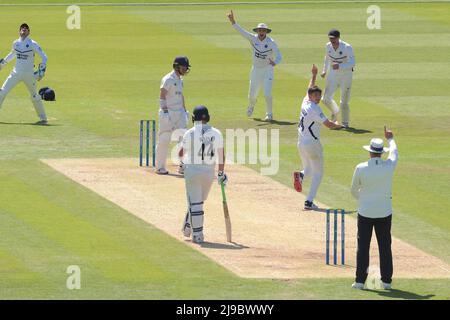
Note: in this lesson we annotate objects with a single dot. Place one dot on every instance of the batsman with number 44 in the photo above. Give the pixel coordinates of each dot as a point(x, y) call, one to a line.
point(202, 150)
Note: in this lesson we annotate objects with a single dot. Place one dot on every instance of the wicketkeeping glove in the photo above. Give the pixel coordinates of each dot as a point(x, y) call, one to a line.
point(222, 178)
point(40, 73)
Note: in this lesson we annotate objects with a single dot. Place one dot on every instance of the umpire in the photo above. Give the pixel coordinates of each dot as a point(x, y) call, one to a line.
point(372, 186)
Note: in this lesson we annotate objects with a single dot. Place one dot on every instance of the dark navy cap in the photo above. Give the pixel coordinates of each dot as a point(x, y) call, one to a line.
point(334, 33)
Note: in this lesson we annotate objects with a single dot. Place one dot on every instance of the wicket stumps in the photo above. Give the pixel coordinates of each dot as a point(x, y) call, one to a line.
point(144, 142)
point(335, 212)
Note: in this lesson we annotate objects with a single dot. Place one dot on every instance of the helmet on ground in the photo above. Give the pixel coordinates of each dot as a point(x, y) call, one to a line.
point(47, 94)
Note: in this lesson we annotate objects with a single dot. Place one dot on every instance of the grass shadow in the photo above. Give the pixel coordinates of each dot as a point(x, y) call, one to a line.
point(277, 122)
point(356, 131)
point(30, 124)
point(400, 294)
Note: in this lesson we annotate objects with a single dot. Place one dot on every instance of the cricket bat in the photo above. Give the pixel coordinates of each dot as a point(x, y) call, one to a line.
point(226, 213)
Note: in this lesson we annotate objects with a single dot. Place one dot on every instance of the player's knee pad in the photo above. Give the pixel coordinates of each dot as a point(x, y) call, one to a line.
point(164, 137)
point(196, 211)
point(326, 99)
point(35, 97)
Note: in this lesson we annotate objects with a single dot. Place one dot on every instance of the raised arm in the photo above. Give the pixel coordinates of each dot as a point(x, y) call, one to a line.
point(393, 152)
point(247, 35)
point(312, 81)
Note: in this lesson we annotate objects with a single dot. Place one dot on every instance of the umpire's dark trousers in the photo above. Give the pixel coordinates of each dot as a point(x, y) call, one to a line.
point(383, 232)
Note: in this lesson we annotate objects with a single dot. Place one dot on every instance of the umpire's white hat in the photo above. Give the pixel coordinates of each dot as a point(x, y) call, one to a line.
point(262, 26)
point(376, 146)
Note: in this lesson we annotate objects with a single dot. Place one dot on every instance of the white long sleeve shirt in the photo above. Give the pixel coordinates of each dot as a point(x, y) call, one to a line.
point(262, 50)
point(174, 86)
point(343, 56)
point(24, 52)
point(311, 118)
point(372, 184)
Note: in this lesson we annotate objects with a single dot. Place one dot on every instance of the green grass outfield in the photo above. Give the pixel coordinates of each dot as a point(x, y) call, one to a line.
point(106, 77)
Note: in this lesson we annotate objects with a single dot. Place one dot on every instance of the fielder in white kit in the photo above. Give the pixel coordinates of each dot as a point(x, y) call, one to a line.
point(24, 50)
point(309, 146)
point(264, 48)
point(339, 63)
point(202, 149)
point(172, 113)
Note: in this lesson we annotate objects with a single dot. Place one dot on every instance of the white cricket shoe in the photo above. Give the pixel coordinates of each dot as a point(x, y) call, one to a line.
point(198, 238)
point(187, 230)
point(162, 171)
point(386, 286)
point(269, 117)
point(358, 285)
point(41, 123)
point(345, 125)
point(249, 111)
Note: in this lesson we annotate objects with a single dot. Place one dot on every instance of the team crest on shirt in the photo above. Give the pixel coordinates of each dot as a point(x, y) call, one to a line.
point(266, 46)
point(27, 46)
point(340, 52)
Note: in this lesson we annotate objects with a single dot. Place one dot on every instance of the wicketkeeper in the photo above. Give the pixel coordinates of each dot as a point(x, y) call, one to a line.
point(24, 50)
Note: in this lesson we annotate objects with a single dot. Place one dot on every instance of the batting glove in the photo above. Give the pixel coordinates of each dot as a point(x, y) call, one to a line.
point(222, 178)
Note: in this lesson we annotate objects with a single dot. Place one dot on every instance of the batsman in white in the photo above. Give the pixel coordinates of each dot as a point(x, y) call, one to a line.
point(264, 48)
point(172, 114)
point(24, 50)
point(339, 63)
point(202, 149)
point(309, 146)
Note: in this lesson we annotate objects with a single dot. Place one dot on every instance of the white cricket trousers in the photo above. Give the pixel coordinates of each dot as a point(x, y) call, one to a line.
point(198, 180)
point(312, 158)
point(261, 77)
point(342, 80)
point(30, 82)
point(177, 122)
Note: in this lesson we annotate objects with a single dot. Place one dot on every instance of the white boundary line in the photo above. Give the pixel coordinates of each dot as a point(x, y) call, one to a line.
point(162, 4)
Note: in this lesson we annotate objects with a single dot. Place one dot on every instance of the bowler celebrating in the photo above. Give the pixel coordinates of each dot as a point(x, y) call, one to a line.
point(261, 75)
point(309, 146)
point(339, 62)
point(24, 50)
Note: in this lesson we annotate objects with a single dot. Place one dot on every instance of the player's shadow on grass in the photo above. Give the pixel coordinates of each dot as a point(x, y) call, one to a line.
point(277, 122)
point(30, 124)
point(215, 245)
point(356, 131)
point(400, 294)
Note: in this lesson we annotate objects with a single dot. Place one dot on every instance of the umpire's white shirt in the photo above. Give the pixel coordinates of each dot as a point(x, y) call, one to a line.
point(372, 184)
